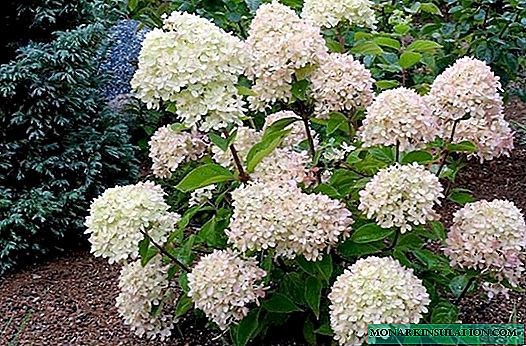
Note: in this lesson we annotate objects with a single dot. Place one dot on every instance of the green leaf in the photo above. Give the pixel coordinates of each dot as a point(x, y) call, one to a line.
point(409, 241)
point(183, 305)
point(245, 91)
point(299, 89)
point(387, 42)
point(431, 8)
point(219, 141)
point(246, 329)
point(305, 71)
point(337, 121)
point(293, 286)
point(444, 312)
point(253, 5)
point(279, 125)
point(384, 154)
point(462, 147)
point(370, 232)
point(324, 329)
point(279, 303)
point(144, 245)
point(458, 284)
point(262, 149)
point(334, 46)
point(204, 175)
point(313, 288)
point(308, 331)
point(132, 5)
point(386, 84)
point(409, 59)
point(418, 156)
point(423, 46)
point(350, 249)
point(438, 229)
point(402, 29)
point(461, 197)
point(367, 48)
point(325, 267)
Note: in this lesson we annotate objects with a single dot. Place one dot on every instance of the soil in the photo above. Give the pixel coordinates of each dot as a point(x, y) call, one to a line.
point(70, 300)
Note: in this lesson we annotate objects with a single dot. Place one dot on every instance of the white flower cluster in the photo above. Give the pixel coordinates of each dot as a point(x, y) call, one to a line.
point(489, 236)
point(169, 148)
point(119, 216)
point(398, 115)
point(275, 215)
point(374, 290)
point(469, 87)
point(222, 285)
point(341, 83)
point(279, 44)
point(297, 133)
point(282, 164)
point(328, 13)
point(338, 153)
point(141, 290)
point(202, 195)
point(194, 64)
point(401, 196)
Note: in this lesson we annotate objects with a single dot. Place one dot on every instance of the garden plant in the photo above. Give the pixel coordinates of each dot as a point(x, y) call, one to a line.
point(301, 178)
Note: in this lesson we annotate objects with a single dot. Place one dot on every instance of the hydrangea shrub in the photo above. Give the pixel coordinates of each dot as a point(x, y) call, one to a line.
point(318, 200)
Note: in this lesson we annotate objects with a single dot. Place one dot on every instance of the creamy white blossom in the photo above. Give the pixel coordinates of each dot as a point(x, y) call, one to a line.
point(491, 237)
point(222, 285)
point(328, 13)
point(467, 87)
point(374, 290)
point(340, 84)
point(401, 196)
point(195, 65)
point(118, 217)
point(273, 215)
point(169, 148)
point(398, 115)
point(279, 44)
point(338, 153)
point(141, 290)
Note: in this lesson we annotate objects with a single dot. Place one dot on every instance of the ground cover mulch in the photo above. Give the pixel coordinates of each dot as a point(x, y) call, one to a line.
point(70, 300)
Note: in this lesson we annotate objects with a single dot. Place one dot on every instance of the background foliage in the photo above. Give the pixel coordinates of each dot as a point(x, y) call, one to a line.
point(59, 144)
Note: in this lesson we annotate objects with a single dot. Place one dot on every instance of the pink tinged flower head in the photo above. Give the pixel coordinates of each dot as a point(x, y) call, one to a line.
point(489, 236)
point(195, 65)
point(467, 87)
point(222, 284)
point(341, 84)
point(374, 290)
point(279, 44)
point(398, 115)
point(141, 290)
point(170, 148)
point(279, 216)
point(118, 218)
point(401, 196)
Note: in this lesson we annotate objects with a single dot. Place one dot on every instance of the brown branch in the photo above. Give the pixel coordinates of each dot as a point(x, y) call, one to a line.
point(166, 253)
point(243, 176)
point(446, 151)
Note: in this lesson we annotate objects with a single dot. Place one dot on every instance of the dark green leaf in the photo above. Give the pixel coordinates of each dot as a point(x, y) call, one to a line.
point(370, 232)
point(337, 121)
point(462, 147)
point(183, 305)
point(299, 89)
point(279, 303)
point(247, 327)
point(260, 150)
point(386, 84)
point(418, 156)
point(458, 284)
point(203, 176)
point(324, 329)
point(431, 8)
point(279, 125)
point(313, 294)
point(219, 141)
point(461, 197)
point(308, 332)
point(387, 42)
point(444, 312)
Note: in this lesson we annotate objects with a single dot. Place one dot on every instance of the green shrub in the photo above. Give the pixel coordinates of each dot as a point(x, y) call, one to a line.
point(59, 144)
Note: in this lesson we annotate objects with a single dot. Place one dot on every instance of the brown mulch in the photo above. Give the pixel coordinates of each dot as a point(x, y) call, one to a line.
point(70, 300)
